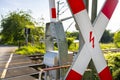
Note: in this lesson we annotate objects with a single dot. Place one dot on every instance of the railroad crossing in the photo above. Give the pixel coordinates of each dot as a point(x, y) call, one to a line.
point(17, 65)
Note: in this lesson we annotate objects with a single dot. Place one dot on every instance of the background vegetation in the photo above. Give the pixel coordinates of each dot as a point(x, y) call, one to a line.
point(14, 26)
point(114, 64)
point(117, 39)
point(30, 49)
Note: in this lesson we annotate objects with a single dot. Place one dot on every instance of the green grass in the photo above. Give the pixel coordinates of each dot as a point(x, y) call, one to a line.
point(107, 46)
point(75, 47)
point(30, 50)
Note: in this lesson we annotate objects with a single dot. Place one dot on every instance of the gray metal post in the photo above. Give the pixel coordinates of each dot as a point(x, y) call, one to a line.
point(94, 10)
point(93, 17)
point(62, 47)
point(58, 4)
point(86, 2)
point(55, 30)
point(26, 35)
point(48, 38)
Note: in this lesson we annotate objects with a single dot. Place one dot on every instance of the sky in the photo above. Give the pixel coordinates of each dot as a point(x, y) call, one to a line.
point(40, 8)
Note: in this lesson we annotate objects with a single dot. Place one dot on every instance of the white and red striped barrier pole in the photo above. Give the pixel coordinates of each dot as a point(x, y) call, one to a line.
point(52, 10)
point(91, 36)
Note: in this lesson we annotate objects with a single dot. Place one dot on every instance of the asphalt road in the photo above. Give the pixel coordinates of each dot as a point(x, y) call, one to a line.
point(11, 65)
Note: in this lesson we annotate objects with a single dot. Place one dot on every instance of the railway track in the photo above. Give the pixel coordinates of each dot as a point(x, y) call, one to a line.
point(19, 67)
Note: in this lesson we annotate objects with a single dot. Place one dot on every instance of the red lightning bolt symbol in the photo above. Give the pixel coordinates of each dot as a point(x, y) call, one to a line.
point(92, 39)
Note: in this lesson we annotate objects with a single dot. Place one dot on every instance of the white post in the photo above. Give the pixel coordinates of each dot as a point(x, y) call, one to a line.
point(52, 10)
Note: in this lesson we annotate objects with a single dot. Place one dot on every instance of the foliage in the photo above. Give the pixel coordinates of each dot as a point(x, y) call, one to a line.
point(106, 40)
point(117, 39)
point(114, 64)
point(71, 36)
point(71, 45)
point(30, 49)
point(107, 46)
point(107, 37)
point(38, 34)
point(74, 35)
point(70, 41)
point(0, 37)
point(74, 47)
point(13, 26)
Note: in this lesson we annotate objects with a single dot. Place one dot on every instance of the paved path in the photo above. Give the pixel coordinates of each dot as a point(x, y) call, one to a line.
point(10, 65)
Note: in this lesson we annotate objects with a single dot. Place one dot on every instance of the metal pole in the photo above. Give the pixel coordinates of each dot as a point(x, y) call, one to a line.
point(58, 4)
point(93, 17)
point(27, 39)
point(94, 10)
point(26, 35)
point(66, 18)
point(86, 2)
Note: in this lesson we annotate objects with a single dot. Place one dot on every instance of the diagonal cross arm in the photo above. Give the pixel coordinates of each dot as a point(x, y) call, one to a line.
point(104, 16)
point(74, 73)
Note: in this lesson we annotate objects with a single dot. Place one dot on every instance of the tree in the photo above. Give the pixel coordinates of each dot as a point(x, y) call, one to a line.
point(117, 39)
point(107, 37)
point(38, 34)
point(13, 26)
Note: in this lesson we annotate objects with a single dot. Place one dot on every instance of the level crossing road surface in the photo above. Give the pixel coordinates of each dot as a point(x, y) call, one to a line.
point(10, 65)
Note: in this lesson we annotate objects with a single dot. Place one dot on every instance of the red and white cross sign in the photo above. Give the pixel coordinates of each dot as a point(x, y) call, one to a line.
point(91, 35)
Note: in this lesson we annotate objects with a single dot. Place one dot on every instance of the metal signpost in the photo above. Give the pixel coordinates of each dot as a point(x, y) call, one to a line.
point(55, 32)
point(91, 35)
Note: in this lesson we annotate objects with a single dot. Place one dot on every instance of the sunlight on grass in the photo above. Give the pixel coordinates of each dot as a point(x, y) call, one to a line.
point(107, 46)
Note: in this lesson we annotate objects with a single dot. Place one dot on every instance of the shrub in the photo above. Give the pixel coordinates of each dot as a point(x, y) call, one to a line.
point(114, 64)
point(117, 39)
